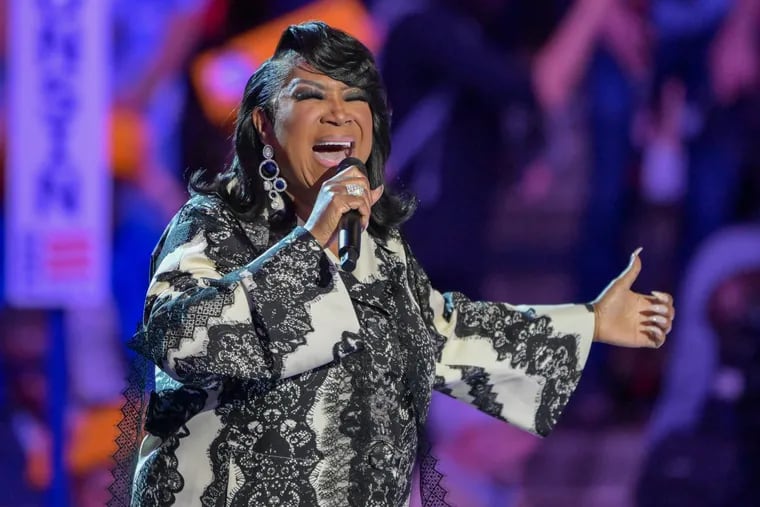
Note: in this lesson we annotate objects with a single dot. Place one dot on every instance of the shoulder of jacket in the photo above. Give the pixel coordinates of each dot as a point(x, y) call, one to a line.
point(208, 206)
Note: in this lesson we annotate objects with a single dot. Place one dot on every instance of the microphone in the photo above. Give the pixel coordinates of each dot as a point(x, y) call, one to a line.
point(349, 235)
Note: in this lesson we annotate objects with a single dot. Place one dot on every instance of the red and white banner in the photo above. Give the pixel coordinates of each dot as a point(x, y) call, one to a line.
point(58, 193)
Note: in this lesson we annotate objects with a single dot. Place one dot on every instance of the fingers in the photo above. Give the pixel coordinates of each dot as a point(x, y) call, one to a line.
point(662, 303)
point(348, 182)
point(663, 297)
point(350, 177)
point(352, 194)
point(659, 317)
point(343, 192)
point(350, 173)
point(655, 335)
point(345, 199)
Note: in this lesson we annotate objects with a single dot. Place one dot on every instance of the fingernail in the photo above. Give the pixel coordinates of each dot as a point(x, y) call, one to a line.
point(661, 296)
point(637, 251)
point(658, 319)
point(655, 331)
point(661, 309)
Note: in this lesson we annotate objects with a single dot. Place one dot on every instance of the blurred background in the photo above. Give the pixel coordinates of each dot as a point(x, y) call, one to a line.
point(545, 139)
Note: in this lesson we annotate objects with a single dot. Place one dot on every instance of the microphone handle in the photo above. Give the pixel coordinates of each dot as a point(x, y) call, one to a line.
point(349, 240)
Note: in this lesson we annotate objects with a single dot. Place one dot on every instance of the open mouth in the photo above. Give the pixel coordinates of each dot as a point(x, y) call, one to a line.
point(330, 153)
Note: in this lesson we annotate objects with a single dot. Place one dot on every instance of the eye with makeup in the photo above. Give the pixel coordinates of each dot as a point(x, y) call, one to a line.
point(356, 94)
point(307, 93)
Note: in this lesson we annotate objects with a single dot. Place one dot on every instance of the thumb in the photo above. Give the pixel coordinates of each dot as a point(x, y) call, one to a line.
point(631, 272)
point(376, 193)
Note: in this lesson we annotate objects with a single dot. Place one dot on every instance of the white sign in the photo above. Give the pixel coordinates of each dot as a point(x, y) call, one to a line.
point(58, 193)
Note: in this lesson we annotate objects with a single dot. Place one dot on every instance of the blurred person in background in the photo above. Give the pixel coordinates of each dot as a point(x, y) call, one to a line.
point(669, 75)
point(285, 378)
point(26, 445)
point(466, 117)
point(667, 93)
point(153, 40)
point(703, 448)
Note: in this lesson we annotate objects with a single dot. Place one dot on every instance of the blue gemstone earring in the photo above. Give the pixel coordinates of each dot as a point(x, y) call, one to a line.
point(273, 183)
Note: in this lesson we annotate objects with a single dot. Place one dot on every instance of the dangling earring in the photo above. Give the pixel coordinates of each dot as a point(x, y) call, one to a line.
point(273, 183)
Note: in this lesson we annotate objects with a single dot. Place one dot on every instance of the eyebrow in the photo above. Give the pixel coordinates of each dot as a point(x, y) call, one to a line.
point(301, 81)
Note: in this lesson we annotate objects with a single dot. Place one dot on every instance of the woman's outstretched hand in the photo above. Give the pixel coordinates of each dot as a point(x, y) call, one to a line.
point(629, 319)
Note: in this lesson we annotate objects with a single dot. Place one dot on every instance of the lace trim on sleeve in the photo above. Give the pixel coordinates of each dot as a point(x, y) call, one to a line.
point(139, 383)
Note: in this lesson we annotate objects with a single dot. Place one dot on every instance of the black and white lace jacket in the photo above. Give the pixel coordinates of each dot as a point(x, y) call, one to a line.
point(282, 380)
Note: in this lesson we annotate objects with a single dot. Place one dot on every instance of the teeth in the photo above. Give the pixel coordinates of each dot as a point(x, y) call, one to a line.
point(336, 145)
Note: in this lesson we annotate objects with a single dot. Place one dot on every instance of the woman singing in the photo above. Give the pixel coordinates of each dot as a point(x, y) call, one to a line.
point(286, 380)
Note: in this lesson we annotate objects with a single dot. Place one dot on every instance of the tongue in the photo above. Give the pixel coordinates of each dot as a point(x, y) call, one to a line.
point(333, 157)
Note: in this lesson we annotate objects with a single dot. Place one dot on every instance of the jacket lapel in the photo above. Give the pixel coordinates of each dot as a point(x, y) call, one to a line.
point(376, 276)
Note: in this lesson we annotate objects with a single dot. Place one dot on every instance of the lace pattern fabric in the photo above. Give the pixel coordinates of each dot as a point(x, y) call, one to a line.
point(284, 378)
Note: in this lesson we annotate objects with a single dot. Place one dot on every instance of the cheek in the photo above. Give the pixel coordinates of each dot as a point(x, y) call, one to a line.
point(366, 124)
point(284, 123)
point(291, 129)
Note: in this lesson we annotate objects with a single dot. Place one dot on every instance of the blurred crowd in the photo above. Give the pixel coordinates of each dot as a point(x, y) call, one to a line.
point(626, 122)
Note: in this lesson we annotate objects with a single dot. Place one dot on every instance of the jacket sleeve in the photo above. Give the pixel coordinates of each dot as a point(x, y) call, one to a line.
point(517, 363)
point(207, 317)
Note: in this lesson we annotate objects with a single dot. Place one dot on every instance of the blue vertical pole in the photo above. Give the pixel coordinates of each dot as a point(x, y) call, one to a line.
point(57, 397)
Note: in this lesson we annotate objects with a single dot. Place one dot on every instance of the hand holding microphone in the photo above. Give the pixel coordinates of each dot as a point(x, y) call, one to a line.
point(342, 209)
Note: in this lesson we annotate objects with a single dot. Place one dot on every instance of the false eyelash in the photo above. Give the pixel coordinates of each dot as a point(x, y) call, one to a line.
point(307, 94)
point(362, 96)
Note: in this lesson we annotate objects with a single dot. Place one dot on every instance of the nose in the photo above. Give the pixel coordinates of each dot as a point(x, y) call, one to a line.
point(336, 113)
